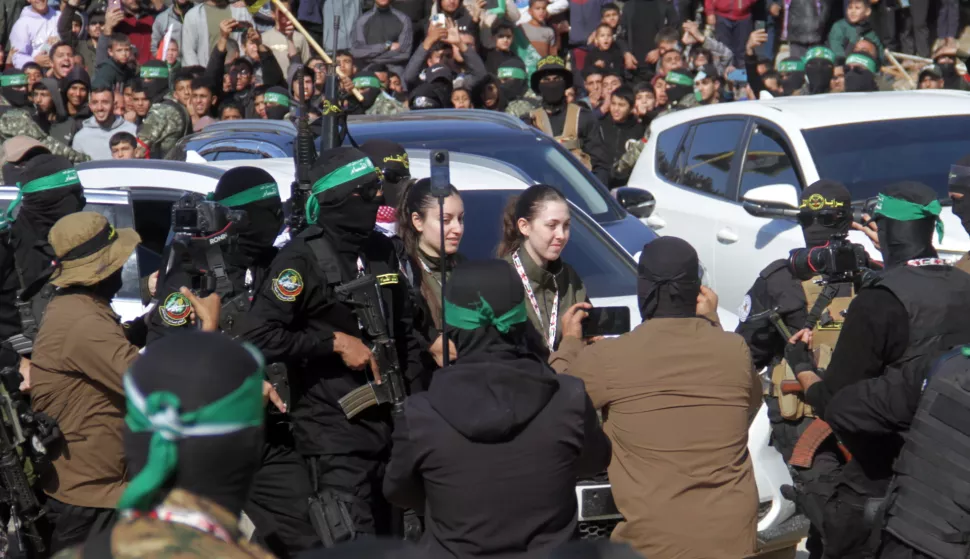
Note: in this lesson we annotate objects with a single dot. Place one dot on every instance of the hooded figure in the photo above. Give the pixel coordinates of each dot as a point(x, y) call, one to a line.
point(680, 84)
point(78, 75)
point(391, 159)
point(792, 72)
point(553, 94)
point(819, 69)
point(959, 187)
point(908, 215)
point(370, 89)
point(13, 88)
point(255, 192)
point(825, 212)
point(428, 96)
point(349, 206)
point(277, 103)
point(499, 423)
point(670, 475)
point(860, 73)
point(512, 78)
point(154, 74)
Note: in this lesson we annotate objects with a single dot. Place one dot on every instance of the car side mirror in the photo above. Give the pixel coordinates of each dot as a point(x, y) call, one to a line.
point(773, 200)
point(639, 202)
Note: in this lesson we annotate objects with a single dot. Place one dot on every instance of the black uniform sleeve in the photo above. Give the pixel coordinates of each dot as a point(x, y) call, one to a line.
point(277, 323)
point(403, 484)
point(754, 80)
point(272, 73)
point(875, 333)
point(762, 336)
point(594, 145)
point(878, 406)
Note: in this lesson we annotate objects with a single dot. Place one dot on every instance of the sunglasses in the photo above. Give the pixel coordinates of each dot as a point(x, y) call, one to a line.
point(825, 218)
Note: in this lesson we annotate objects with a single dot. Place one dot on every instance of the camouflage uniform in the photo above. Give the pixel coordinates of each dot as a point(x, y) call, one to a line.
point(624, 165)
point(525, 105)
point(17, 122)
point(386, 105)
point(162, 128)
point(149, 538)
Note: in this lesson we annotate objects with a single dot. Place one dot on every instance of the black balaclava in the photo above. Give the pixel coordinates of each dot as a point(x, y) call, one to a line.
point(859, 80)
point(513, 73)
point(819, 72)
point(680, 84)
point(553, 94)
point(344, 203)
point(828, 205)
point(668, 281)
point(39, 211)
point(427, 96)
point(792, 72)
point(395, 166)
point(471, 285)
point(902, 238)
point(369, 87)
point(13, 87)
point(960, 184)
point(277, 103)
point(253, 191)
point(199, 368)
point(154, 75)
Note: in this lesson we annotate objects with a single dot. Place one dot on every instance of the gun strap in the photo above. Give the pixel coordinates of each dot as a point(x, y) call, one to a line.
point(323, 253)
point(824, 300)
point(217, 266)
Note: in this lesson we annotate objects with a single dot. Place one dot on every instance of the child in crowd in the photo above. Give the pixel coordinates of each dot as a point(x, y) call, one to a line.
point(605, 54)
point(542, 37)
point(847, 32)
point(122, 145)
point(115, 68)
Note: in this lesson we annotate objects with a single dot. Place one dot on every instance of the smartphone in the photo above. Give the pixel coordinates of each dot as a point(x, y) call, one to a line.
point(243, 25)
point(440, 174)
point(438, 19)
point(606, 321)
point(759, 25)
point(114, 5)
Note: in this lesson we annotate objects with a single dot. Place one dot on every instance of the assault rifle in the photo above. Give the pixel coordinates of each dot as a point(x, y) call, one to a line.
point(365, 296)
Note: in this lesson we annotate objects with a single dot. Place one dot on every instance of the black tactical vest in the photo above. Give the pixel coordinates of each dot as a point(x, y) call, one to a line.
point(930, 495)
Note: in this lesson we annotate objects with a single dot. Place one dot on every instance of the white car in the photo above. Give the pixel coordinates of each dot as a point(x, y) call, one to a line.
point(714, 170)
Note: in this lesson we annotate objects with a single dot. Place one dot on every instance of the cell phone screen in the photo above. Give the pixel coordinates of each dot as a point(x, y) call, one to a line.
point(607, 321)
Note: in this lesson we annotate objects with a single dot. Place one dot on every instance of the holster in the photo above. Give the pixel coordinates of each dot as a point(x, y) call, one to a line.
point(330, 512)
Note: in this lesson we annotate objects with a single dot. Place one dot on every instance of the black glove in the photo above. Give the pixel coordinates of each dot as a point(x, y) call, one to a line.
point(799, 357)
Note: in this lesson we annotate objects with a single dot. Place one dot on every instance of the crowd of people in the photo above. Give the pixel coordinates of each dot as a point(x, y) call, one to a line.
point(95, 79)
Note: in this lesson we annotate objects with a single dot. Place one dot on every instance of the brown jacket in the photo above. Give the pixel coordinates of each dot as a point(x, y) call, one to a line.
point(678, 396)
point(80, 357)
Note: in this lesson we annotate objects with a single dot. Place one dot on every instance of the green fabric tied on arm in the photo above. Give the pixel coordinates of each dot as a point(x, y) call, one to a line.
point(904, 210)
point(254, 194)
point(483, 316)
point(349, 172)
point(511, 72)
point(365, 82)
point(158, 413)
point(274, 98)
point(16, 80)
point(60, 179)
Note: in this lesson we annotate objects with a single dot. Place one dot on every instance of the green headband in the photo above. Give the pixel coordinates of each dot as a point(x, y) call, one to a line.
point(14, 80)
point(863, 60)
point(677, 78)
point(158, 413)
point(274, 98)
point(343, 175)
point(788, 66)
point(150, 72)
point(60, 179)
point(250, 195)
point(904, 210)
point(511, 72)
point(365, 82)
point(483, 316)
point(820, 52)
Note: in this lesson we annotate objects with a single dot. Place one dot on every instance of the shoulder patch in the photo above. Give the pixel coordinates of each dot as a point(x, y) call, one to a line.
point(387, 279)
point(745, 309)
point(288, 285)
point(175, 310)
point(775, 266)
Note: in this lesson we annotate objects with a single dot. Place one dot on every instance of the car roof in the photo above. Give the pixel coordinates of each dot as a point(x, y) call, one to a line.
point(407, 126)
point(467, 172)
point(149, 173)
point(832, 109)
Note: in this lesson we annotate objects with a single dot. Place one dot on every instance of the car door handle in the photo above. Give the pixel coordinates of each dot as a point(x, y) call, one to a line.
point(655, 222)
point(727, 236)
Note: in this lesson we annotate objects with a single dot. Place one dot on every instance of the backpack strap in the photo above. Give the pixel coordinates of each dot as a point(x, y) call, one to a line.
point(540, 120)
point(570, 128)
point(323, 253)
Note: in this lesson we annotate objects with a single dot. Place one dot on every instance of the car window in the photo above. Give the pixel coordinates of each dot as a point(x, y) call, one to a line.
point(767, 161)
point(604, 269)
point(667, 143)
point(234, 155)
point(712, 149)
point(153, 219)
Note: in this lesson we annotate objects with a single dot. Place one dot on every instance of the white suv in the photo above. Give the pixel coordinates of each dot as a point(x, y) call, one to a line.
point(715, 170)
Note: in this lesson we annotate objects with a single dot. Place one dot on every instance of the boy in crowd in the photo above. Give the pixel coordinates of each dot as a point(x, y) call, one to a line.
point(707, 85)
point(230, 111)
point(847, 32)
point(123, 145)
point(114, 69)
point(203, 99)
point(542, 37)
point(605, 54)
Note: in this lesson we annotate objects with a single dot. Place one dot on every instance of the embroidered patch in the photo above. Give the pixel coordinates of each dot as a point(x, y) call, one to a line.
point(175, 310)
point(288, 285)
point(387, 279)
point(745, 309)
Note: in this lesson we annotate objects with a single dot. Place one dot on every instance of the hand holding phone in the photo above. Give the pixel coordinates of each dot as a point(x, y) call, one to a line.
point(114, 5)
point(606, 321)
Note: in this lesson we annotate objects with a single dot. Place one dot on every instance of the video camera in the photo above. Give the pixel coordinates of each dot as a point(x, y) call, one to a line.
point(201, 228)
point(836, 261)
point(194, 215)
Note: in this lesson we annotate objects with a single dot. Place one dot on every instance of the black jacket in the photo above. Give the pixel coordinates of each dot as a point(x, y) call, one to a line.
point(640, 22)
point(293, 320)
point(492, 453)
point(617, 134)
point(807, 20)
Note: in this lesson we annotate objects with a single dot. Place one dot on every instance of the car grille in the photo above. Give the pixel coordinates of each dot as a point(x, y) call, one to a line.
point(596, 529)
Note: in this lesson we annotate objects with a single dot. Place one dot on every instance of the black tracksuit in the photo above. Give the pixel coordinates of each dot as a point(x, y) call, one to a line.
point(491, 453)
point(616, 135)
point(293, 320)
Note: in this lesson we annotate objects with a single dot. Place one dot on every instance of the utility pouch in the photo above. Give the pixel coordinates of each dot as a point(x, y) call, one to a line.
point(330, 513)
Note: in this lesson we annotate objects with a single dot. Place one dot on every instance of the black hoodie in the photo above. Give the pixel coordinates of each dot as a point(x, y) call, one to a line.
point(499, 441)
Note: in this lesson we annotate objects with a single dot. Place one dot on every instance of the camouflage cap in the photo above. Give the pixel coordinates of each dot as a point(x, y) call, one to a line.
point(17, 147)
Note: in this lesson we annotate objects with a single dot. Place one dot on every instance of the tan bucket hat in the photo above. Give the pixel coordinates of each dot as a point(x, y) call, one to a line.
point(17, 147)
point(88, 248)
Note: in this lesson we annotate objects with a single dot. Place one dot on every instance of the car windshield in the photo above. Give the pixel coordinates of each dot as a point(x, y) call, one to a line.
point(603, 266)
point(869, 155)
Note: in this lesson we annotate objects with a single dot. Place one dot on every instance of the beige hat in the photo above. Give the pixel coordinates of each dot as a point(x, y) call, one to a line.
point(17, 147)
point(88, 248)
